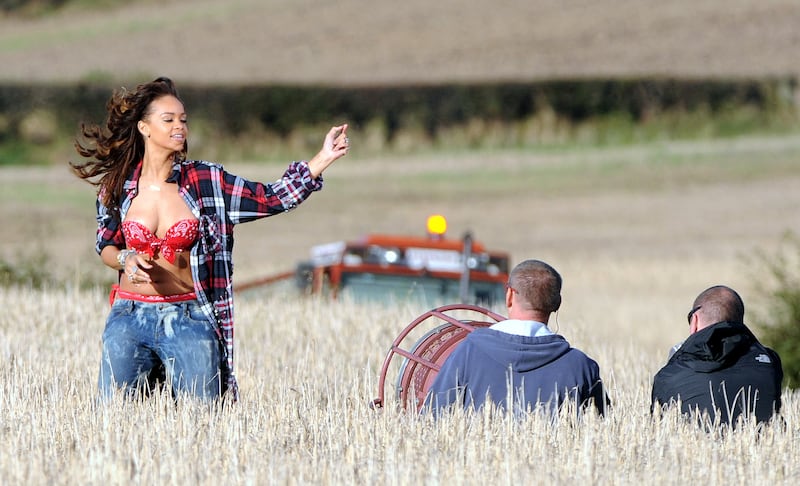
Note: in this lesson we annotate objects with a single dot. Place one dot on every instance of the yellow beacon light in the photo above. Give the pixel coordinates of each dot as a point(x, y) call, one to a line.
point(437, 225)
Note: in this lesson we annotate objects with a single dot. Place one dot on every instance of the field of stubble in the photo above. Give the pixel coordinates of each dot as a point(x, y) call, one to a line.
point(636, 232)
point(352, 42)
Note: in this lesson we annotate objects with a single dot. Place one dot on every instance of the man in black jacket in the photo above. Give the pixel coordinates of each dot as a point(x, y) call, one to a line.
point(721, 368)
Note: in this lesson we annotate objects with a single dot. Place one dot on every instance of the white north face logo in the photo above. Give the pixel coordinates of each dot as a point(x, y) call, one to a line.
point(763, 358)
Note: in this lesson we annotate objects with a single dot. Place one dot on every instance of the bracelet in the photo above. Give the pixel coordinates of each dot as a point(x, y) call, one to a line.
point(123, 255)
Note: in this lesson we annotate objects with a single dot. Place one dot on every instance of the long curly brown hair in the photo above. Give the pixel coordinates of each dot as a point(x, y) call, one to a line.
point(115, 148)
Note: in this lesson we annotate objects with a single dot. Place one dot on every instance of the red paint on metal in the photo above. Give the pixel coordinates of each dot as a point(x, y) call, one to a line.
point(423, 360)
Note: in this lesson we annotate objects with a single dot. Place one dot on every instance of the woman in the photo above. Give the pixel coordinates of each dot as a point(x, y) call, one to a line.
point(166, 225)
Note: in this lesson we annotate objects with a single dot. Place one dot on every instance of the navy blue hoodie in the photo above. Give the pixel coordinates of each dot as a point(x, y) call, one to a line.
point(544, 371)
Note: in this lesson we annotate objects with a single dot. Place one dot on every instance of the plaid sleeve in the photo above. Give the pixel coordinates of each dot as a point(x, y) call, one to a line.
point(109, 230)
point(248, 200)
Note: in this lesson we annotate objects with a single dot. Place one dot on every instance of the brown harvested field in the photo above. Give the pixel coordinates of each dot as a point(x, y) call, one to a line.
point(631, 228)
point(418, 41)
point(637, 232)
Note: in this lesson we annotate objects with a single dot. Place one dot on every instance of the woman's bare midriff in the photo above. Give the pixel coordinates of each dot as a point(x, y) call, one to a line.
point(167, 278)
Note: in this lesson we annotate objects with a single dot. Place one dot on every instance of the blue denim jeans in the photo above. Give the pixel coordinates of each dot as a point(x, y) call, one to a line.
point(145, 343)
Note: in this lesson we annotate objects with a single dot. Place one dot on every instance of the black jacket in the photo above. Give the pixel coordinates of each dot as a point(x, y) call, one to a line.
point(722, 369)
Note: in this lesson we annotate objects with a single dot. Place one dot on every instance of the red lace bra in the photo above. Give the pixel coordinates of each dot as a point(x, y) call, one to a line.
point(179, 237)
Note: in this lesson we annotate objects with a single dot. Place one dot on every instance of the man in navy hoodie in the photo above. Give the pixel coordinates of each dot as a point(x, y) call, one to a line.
point(721, 369)
point(520, 360)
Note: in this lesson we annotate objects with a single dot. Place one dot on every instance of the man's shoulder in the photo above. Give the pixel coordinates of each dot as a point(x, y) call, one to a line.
point(758, 360)
point(579, 355)
point(670, 368)
point(764, 355)
point(499, 337)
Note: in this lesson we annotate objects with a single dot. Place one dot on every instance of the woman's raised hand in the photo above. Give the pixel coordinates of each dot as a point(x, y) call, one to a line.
point(335, 145)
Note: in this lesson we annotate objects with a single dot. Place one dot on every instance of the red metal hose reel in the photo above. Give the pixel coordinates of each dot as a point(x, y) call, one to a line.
point(422, 361)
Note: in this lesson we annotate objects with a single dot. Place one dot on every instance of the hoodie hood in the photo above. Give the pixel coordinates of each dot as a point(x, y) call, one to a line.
point(715, 347)
point(525, 353)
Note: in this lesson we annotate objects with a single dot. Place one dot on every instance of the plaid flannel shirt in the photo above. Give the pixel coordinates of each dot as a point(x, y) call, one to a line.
point(219, 200)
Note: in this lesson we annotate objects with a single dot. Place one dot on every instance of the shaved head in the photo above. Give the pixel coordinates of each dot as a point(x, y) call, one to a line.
point(721, 303)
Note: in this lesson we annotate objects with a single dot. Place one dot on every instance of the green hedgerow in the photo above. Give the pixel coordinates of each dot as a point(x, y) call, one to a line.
point(779, 321)
point(31, 271)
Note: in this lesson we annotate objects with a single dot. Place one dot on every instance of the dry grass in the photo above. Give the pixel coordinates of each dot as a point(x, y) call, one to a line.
point(356, 42)
point(305, 415)
point(637, 233)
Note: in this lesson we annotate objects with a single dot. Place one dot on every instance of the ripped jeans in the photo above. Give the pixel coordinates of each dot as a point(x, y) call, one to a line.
point(146, 344)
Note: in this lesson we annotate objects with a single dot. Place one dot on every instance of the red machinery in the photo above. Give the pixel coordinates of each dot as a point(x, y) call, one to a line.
point(385, 267)
point(422, 361)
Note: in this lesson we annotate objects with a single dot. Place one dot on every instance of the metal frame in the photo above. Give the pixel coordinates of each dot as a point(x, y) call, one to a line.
point(425, 358)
